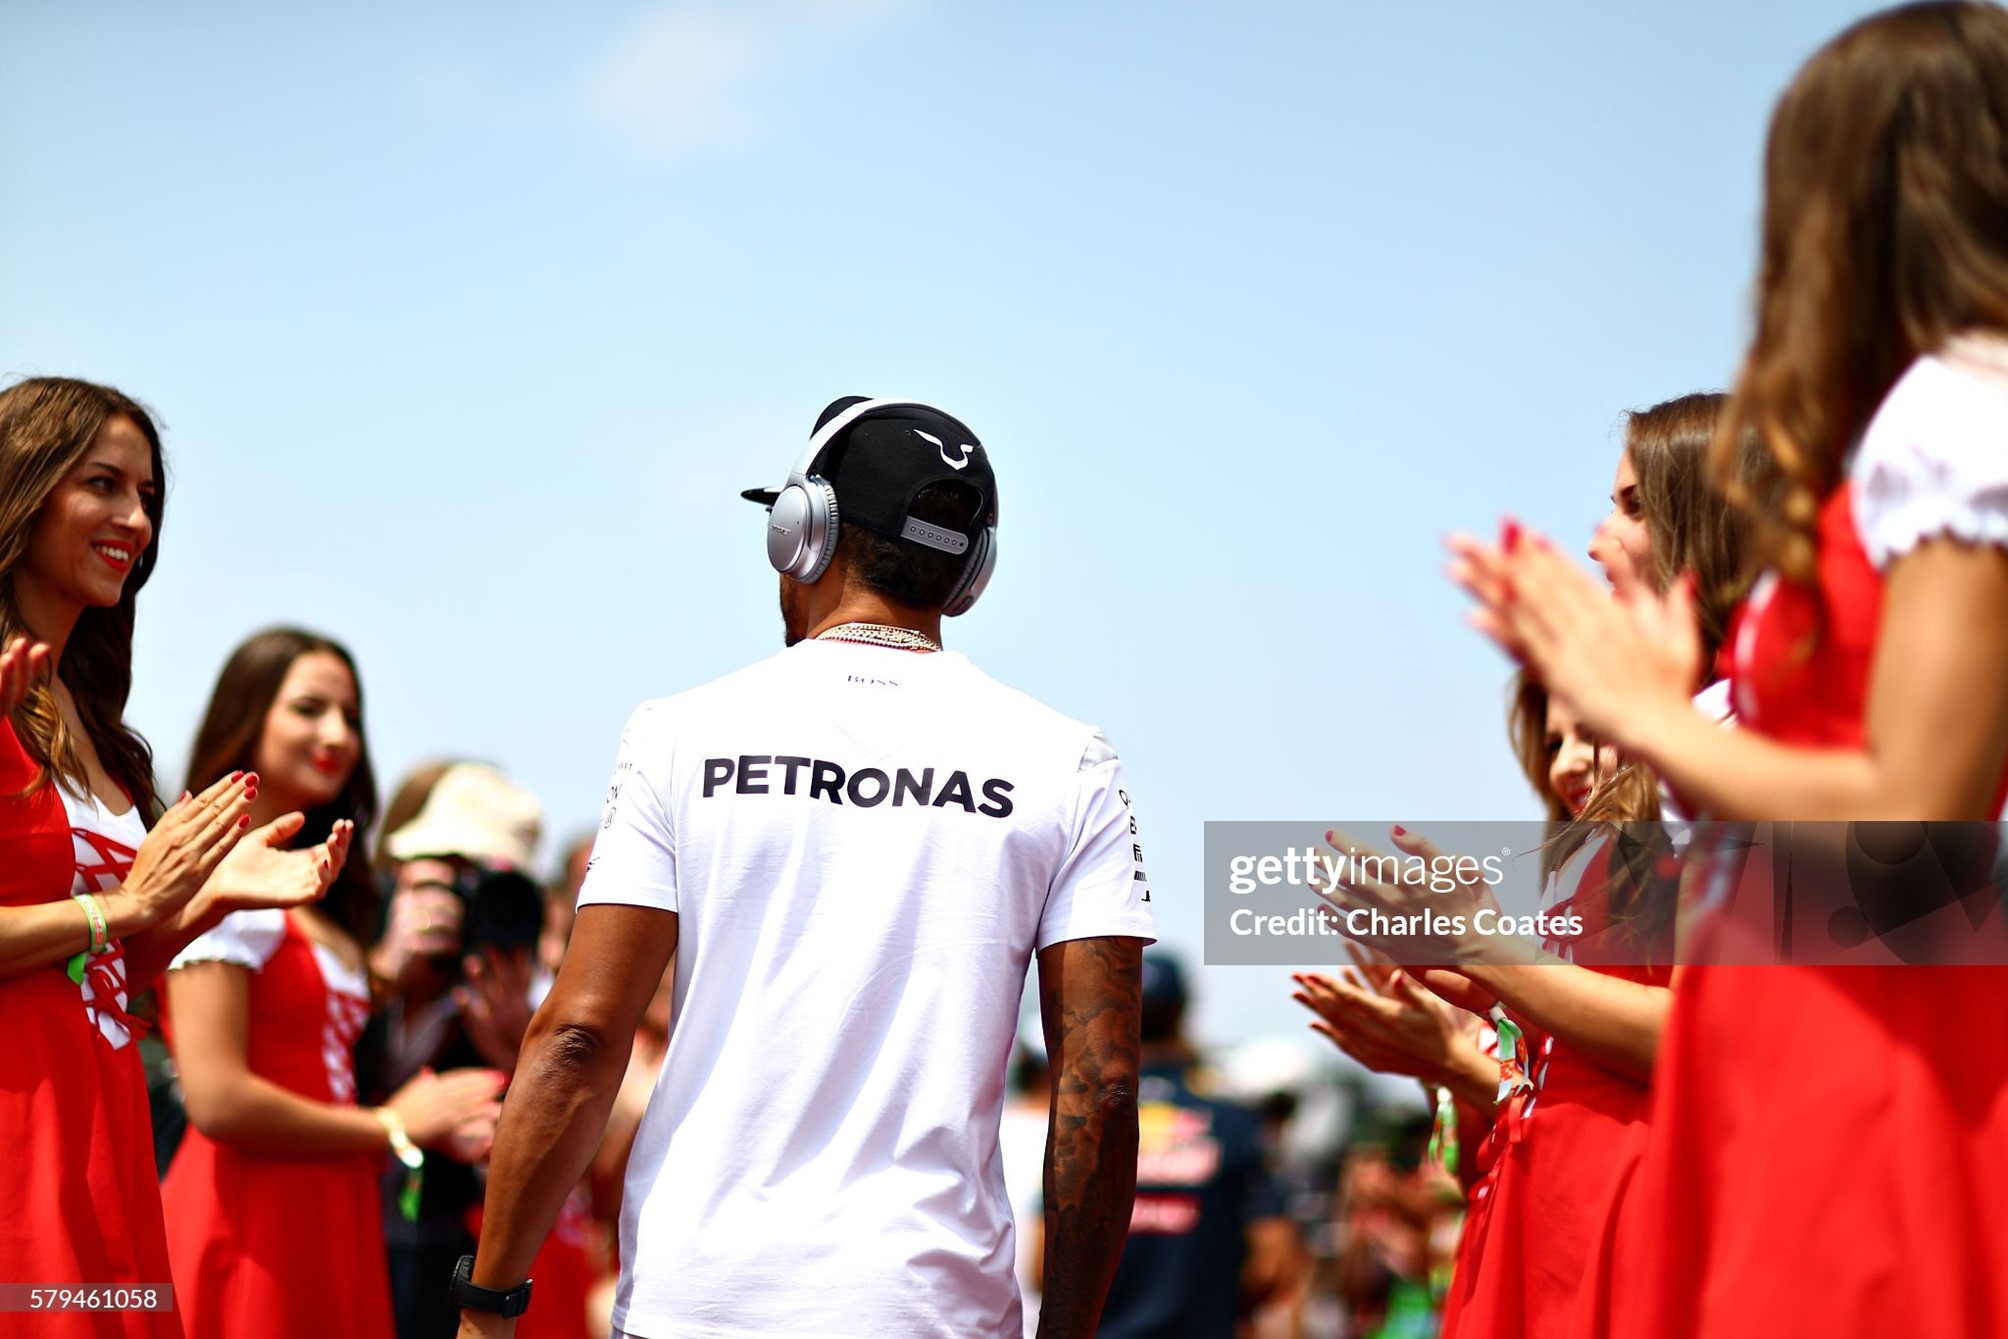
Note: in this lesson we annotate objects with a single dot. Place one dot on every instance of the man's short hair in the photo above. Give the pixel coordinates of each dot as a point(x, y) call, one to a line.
point(904, 572)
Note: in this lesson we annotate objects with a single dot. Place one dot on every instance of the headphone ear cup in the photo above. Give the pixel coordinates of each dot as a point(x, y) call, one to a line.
point(822, 545)
point(975, 574)
point(802, 529)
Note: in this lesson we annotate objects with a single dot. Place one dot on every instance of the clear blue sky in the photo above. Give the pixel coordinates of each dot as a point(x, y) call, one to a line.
point(467, 322)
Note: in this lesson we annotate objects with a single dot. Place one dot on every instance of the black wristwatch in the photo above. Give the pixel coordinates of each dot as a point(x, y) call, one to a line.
point(468, 1294)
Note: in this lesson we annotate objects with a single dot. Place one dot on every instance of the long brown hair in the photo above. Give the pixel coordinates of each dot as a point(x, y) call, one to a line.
point(46, 426)
point(1640, 905)
point(1885, 233)
point(1692, 531)
point(1629, 795)
point(228, 742)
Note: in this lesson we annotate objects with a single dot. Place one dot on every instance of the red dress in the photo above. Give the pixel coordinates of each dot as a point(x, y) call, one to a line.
point(79, 1203)
point(1556, 1168)
point(1829, 1145)
point(267, 1245)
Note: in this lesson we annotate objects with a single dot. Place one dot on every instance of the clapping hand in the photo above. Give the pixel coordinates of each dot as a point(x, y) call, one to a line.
point(454, 1110)
point(262, 872)
point(1435, 901)
point(472, 1139)
point(1600, 652)
point(183, 851)
point(1456, 989)
point(1379, 1015)
point(1453, 987)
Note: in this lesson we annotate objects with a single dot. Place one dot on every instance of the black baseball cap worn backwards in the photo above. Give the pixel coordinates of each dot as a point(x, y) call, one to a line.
point(878, 454)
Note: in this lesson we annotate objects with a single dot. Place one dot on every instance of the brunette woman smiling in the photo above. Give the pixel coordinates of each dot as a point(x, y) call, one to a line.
point(92, 903)
point(264, 1011)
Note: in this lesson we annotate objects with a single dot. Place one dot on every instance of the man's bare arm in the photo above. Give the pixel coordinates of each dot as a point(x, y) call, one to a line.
point(1090, 993)
point(570, 1070)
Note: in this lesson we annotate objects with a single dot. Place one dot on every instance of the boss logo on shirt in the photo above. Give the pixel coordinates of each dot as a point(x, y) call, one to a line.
point(783, 774)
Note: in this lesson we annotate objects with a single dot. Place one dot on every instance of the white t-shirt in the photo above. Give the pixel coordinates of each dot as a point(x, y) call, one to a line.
point(864, 848)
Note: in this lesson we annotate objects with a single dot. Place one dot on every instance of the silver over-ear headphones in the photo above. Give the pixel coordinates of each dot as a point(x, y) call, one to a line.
point(802, 524)
point(975, 574)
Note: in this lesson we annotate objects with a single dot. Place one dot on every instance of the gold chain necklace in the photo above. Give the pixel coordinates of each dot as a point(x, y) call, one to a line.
point(879, 634)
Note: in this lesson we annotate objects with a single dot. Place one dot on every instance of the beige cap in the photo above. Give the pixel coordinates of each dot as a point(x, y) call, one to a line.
point(476, 813)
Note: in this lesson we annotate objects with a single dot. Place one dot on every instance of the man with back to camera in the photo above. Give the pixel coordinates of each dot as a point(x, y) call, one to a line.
point(853, 851)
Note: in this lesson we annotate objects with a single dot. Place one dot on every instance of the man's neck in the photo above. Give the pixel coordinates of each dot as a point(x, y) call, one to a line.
point(857, 604)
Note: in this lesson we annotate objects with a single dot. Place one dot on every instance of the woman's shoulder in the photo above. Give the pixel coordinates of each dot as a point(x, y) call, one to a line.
point(1934, 458)
point(244, 938)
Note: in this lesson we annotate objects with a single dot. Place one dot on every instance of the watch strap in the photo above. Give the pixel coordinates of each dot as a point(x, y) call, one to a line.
point(467, 1293)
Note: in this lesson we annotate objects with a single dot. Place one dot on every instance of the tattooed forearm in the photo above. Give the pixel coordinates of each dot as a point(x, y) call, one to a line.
point(1090, 992)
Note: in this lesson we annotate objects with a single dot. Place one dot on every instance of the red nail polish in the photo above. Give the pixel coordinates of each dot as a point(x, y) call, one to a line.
point(244, 822)
point(1509, 534)
point(1400, 831)
point(236, 776)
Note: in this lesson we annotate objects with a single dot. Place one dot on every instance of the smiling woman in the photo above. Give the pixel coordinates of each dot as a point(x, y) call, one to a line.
point(103, 510)
point(92, 903)
point(264, 1011)
point(76, 540)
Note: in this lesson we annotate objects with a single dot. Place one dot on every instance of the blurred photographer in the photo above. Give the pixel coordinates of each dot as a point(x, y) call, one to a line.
point(453, 967)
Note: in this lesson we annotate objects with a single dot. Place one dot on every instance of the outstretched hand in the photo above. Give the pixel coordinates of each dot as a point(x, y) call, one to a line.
point(1430, 899)
point(1601, 653)
point(21, 664)
point(1457, 989)
point(261, 872)
point(453, 1108)
point(1384, 1020)
point(1448, 984)
point(183, 851)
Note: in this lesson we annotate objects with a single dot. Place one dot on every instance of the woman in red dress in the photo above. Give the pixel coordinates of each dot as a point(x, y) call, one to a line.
point(1557, 1116)
point(92, 904)
point(274, 1215)
point(1557, 1165)
point(1829, 1144)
